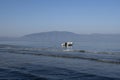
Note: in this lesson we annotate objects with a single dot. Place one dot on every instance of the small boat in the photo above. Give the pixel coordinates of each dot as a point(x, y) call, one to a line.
point(67, 44)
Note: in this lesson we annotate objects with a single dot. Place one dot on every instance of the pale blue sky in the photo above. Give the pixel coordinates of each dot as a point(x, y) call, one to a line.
point(20, 17)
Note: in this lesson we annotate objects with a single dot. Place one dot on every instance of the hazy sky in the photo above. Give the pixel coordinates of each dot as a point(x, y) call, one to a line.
point(20, 17)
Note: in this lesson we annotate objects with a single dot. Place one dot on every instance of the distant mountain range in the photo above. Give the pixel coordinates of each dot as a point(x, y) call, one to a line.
point(66, 36)
point(51, 36)
point(52, 33)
